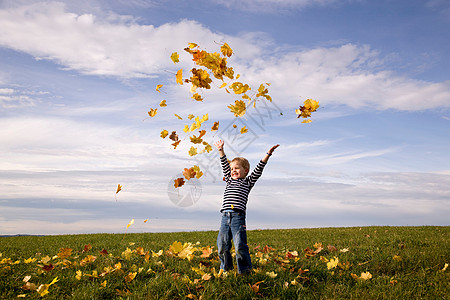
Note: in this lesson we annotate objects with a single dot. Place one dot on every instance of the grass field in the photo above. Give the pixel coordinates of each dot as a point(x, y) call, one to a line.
point(325, 263)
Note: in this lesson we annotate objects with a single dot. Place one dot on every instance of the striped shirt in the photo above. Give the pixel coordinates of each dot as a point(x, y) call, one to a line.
point(236, 191)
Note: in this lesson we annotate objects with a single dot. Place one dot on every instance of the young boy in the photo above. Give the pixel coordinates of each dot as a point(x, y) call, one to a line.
point(238, 186)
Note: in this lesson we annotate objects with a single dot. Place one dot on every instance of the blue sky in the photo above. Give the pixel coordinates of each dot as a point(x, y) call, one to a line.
point(78, 77)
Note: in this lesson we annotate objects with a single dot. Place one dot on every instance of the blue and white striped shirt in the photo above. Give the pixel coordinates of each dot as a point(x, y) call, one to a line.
point(237, 190)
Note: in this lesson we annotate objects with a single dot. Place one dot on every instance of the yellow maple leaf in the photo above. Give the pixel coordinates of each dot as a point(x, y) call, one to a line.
point(365, 276)
point(30, 260)
point(226, 50)
point(192, 45)
point(152, 112)
point(179, 76)
point(43, 288)
point(238, 109)
point(175, 57)
point(239, 87)
point(163, 103)
point(158, 87)
point(176, 247)
point(244, 130)
point(197, 97)
point(79, 275)
point(64, 253)
point(130, 276)
point(223, 85)
point(198, 173)
point(332, 263)
point(193, 151)
point(271, 274)
point(164, 133)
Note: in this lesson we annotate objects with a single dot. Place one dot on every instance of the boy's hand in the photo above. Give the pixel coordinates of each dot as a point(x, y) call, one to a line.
point(219, 144)
point(273, 149)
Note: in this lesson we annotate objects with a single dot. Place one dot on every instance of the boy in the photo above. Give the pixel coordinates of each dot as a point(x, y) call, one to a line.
point(238, 186)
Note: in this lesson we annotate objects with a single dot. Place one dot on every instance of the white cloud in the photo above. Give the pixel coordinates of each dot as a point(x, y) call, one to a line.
point(272, 6)
point(348, 74)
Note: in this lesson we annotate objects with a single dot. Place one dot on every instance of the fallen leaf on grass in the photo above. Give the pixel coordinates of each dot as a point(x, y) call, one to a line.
point(255, 286)
point(271, 274)
point(43, 288)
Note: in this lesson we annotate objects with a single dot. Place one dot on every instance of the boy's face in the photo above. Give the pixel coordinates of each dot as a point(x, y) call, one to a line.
point(237, 170)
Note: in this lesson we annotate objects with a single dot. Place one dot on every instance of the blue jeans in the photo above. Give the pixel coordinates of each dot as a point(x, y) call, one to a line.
point(233, 227)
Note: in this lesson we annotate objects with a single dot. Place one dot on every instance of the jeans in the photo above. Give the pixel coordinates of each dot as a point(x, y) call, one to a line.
point(233, 227)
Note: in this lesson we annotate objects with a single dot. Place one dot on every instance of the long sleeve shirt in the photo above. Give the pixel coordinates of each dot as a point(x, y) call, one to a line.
point(236, 191)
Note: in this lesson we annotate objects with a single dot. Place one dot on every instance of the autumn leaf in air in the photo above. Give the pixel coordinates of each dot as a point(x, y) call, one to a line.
point(215, 127)
point(197, 97)
point(158, 87)
point(178, 117)
point(163, 103)
point(179, 76)
point(189, 173)
point(164, 133)
point(179, 182)
point(244, 130)
point(119, 188)
point(173, 136)
point(175, 57)
point(193, 151)
point(152, 112)
point(238, 108)
point(226, 50)
point(131, 223)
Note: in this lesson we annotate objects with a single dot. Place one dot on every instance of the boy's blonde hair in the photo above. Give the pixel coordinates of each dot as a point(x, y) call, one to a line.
point(243, 162)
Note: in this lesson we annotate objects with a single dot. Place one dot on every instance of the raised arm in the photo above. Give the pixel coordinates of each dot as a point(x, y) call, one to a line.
point(269, 153)
point(219, 144)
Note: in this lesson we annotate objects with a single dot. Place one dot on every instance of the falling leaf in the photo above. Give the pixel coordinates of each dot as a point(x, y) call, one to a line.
point(232, 206)
point(179, 76)
point(238, 109)
point(198, 173)
point(192, 45)
point(189, 173)
point(158, 87)
point(164, 133)
point(146, 220)
point(152, 112)
point(178, 117)
point(175, 57)
point(197, 97)
point(179, 182)
point(244, 130)
point(131, 223)
point(173, 136)
point(226, 50)
point(223, 85)
point(163, 103)
point(176, 144)
point(215, 127)
point(193, 151)
point(119, 188)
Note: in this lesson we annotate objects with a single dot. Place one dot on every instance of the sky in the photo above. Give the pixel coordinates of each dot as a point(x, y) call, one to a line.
point(77, 79)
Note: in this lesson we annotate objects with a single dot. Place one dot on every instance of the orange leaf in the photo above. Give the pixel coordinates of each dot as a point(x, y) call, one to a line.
point(226, 50)
point(179, 182)
point(158, 87)
point(189, 173)
point(215, 127)
point(119, 188)
point(163, 103)
point(87, 248)
point(152, 112)
point(179, 76)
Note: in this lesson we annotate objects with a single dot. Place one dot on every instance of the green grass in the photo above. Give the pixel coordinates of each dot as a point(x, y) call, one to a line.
point(416, 273)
